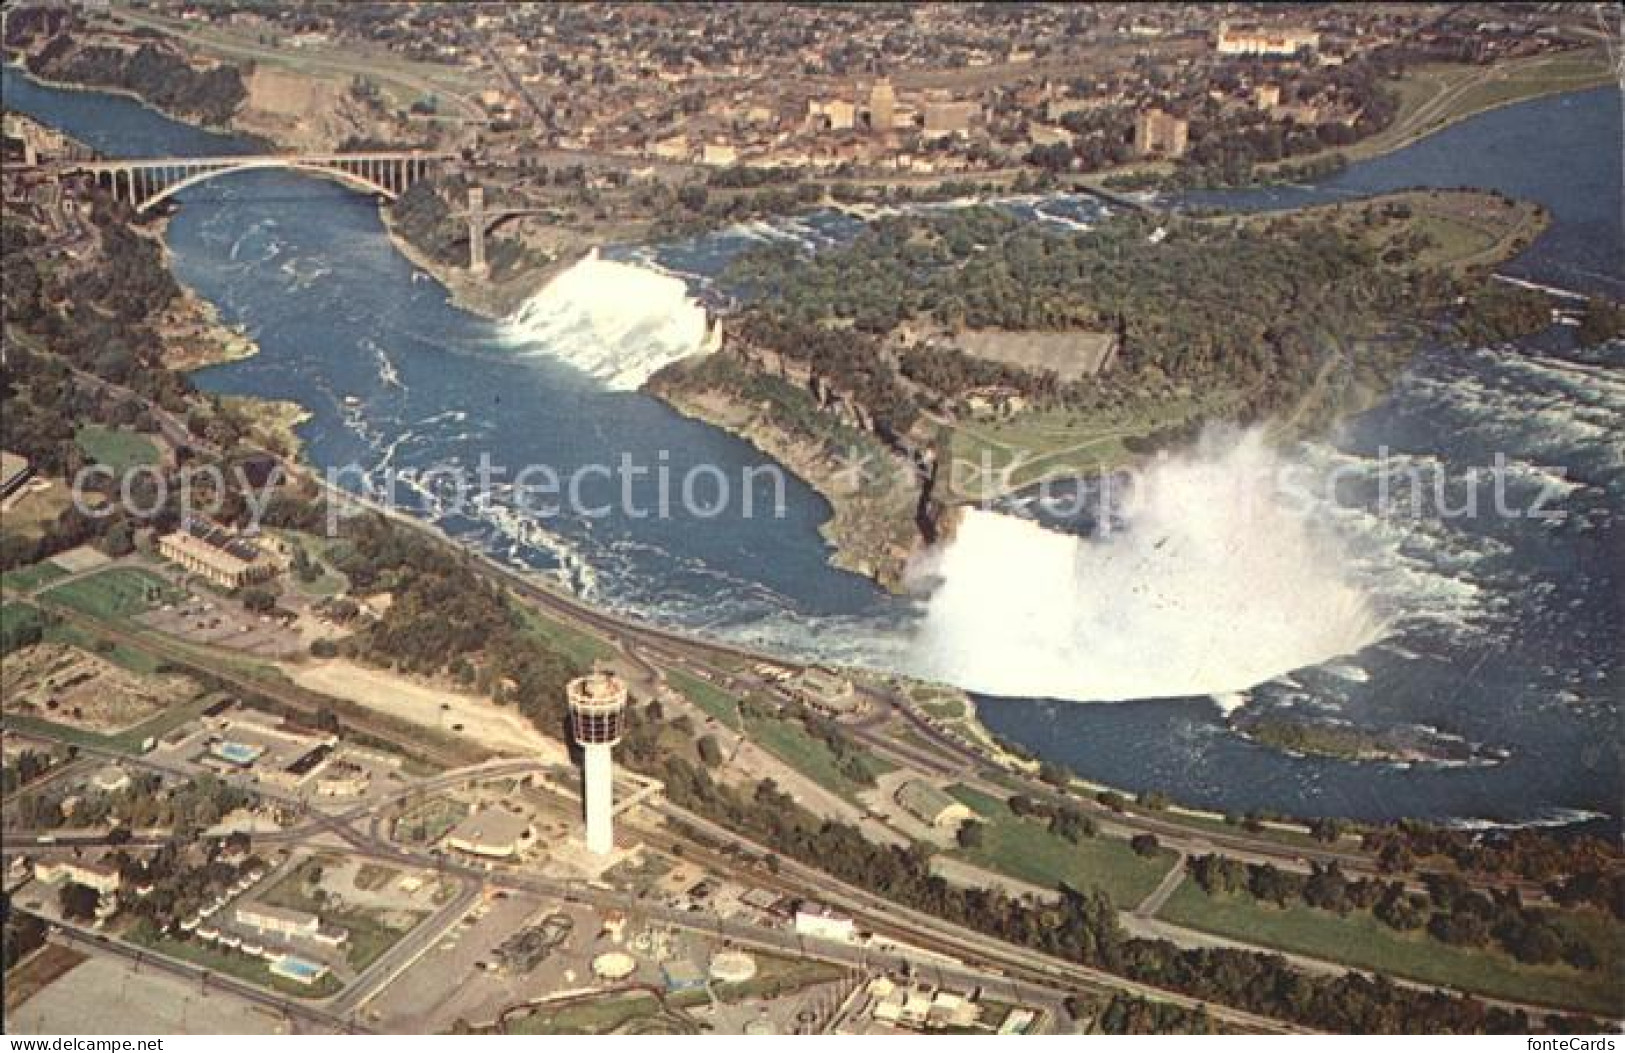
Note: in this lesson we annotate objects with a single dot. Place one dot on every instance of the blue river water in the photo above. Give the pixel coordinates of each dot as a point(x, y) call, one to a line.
point(1505, 633)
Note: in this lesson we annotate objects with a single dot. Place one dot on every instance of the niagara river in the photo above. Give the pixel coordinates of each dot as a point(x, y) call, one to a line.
point(1501, 632)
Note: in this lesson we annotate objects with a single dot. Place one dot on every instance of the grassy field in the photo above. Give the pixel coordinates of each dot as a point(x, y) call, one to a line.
point(1361, 940)
point(15, 617)
point(1462, 228)
point(426, 822)
point(998, 456)
point(580, 647)
point(34, 510)
point(232, 963)
point(776, 976)
point(135, 660)
point(118, 449)
point(1026, 850)
point(31, 577)
point(369, 936)
point(790, 742)
point(116, 594)
point(713, 700)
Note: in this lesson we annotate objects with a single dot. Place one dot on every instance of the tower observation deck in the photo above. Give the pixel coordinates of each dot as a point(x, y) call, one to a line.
point(597, 707)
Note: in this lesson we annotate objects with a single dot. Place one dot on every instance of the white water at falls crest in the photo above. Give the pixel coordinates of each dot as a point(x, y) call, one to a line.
point(614, 321)
point(1216, 583)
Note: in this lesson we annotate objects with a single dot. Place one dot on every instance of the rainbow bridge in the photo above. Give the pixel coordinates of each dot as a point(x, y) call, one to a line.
point(148, 181)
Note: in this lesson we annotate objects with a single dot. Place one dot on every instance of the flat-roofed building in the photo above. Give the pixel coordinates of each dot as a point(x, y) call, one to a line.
point(822, 689)
point(1159, 134)
point(946, 117)
point(496, 833)
point(99, 876)
point(279, 920)
point(1276, 42)
point(217, 555)
point(882, 106)
point(820, 922)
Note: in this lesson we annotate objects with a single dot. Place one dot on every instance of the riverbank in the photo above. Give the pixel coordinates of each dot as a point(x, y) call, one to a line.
point(474, 294)
point(871, 494)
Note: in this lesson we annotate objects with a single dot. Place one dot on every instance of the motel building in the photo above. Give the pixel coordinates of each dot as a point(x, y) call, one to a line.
point(289, 924)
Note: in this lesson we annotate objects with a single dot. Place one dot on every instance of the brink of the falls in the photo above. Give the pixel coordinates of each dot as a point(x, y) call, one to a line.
point(617, 322)
point(1215, 580)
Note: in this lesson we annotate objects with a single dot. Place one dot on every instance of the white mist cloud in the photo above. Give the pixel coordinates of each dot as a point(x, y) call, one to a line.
point(615, 321)
point(1217, 583)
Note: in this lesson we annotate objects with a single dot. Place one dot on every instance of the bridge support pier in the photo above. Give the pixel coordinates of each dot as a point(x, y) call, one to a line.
point(476, 231)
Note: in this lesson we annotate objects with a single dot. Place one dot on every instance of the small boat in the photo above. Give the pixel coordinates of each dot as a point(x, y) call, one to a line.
point(352, 401)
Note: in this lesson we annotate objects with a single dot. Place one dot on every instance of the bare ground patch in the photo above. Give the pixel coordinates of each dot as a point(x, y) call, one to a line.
point(64, 685)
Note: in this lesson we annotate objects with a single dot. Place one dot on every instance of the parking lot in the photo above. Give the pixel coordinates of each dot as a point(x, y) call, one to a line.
point(221, 622)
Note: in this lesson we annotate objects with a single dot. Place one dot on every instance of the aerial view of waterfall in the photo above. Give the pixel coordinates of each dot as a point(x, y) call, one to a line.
point(1051, 494)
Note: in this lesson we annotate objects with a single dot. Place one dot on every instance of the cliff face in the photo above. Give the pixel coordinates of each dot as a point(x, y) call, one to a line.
point(882, 511)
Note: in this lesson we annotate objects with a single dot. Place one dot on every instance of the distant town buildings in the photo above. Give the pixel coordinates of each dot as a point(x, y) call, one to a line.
point(99, 876)
point(1276, 42)
point(950, 117)
point(1158, 134)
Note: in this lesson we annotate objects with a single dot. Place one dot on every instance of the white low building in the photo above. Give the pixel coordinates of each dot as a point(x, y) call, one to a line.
point(820, 922)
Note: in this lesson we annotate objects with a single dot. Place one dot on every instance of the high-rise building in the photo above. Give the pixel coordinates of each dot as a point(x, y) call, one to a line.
point(1158, 134)
point(882, 106)
point(597, 707)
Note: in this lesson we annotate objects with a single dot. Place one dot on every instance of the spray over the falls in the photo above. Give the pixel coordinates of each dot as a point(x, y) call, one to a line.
point(1213, 583)
point(614, 321)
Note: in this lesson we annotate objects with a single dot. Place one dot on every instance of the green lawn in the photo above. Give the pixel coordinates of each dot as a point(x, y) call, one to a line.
point(947, 709)
point(16, 618)
point(580, 647)
point(118, 449)
point(1026, 850)
point(31, 577)
point(1030, 447)
point(713, 700)
point(133, 659)
point(369, 936)
point(231, 963)
point(328, 582)
point(116, 594)
point(789, 741)
point(1360, 940)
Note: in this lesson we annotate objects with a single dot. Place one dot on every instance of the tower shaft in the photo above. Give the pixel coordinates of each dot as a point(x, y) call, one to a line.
point(598, 792)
